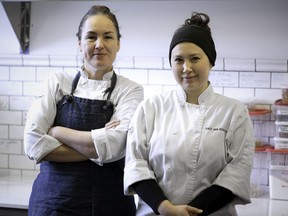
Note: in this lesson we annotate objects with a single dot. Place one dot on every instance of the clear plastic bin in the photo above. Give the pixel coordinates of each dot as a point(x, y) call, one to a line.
point(259, 175)
point(281, 110)
point(278, 179)
point(285, 94)
point(280, 143)
point(278, 174)
point(260, 119)
point(281, 129)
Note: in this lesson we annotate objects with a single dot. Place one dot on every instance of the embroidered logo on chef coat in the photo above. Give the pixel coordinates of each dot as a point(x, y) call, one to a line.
point(216, 129)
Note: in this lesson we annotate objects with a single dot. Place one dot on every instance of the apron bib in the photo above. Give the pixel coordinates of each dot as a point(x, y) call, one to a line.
point(81, 188)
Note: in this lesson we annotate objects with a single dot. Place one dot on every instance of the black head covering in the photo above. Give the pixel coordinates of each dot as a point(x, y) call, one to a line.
point(196, 35)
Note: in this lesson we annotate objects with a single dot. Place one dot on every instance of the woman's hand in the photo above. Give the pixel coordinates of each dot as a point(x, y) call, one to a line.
point(168, 209)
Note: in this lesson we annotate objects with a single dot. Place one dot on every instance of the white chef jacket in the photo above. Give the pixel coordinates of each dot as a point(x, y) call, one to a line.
point(186, 148)
point(109, 143)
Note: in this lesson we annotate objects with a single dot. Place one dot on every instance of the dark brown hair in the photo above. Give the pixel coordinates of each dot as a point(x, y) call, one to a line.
point(199, 19)
point(95, 10)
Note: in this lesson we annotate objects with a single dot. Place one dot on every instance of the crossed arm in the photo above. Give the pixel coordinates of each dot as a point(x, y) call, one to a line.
point(77, 145)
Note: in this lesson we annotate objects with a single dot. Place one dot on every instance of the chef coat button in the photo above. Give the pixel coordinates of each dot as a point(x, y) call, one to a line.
point(83, 82)
point(191, 172)
point(130, 130)
point(173, 132)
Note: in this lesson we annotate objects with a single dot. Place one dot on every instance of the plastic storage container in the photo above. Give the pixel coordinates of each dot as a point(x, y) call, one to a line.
point(259, 179)
point(260, 119)
point(280, 143)
point(281, 110)
point(281, 129)
point(278, 179)
point(277, 158)
point(278, 174)
point(285, 94)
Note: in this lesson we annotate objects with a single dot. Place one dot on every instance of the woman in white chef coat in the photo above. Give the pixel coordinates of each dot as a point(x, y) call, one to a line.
point(189, 151)
point(82, 161)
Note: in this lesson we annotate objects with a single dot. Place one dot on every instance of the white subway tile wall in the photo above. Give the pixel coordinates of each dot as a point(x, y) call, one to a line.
point(267, 95)
point(124, 62)
point(20, 73)
point(11, 60)
point(279, 80)
point(271, 65)
point(253, 81)
point(43, 72)
point(20, 102)
point(4, 72)
point(3, 160)
point(3, 132)
point(239, 93)
point(219, 64)
point(4, 100)
point(35, 60)
point(240, 64)
point(10, 117)
point(160, 77)
point(8, 87)
point(11, 147)
point(224, 79)
point(25, 164)
point(137, 75)
point(149, 62)
point(68, 61)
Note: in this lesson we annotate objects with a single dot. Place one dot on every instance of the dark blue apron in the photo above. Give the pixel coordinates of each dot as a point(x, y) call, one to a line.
point(81, 188)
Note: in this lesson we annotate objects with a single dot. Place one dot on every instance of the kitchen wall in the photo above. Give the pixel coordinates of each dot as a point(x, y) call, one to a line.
point(250, 36)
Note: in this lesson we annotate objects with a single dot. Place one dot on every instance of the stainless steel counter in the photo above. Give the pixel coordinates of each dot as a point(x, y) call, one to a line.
point(15, 191)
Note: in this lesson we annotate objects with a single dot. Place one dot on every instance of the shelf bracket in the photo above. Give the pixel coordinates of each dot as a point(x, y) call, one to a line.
point(19, 14)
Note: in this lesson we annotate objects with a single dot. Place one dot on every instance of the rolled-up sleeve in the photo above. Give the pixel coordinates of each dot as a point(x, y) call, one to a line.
point(38, 144)
point(110, 144)
point(40, 118)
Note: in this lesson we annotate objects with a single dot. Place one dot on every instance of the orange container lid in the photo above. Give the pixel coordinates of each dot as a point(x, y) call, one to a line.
point(272, 150)
point(263, 148)
point(254, 112)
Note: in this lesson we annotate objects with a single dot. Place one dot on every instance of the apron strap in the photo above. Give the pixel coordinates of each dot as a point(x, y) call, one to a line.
point(111, 88)
point(75, 82)
point(108, 103)
point(69, 98)
point(108, 90)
